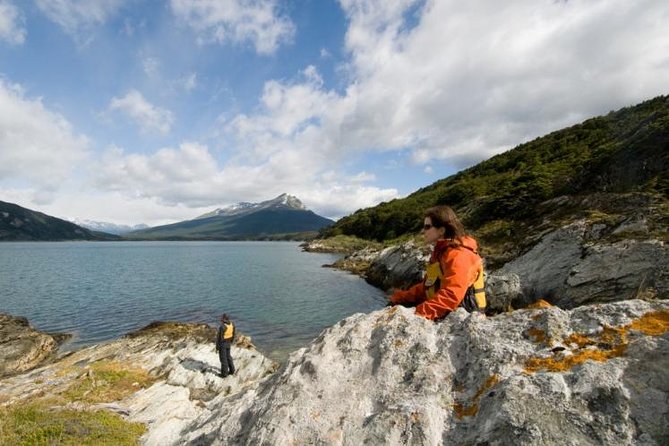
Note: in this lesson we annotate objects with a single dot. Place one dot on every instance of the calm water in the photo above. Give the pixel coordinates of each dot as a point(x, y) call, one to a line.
point(278, 295)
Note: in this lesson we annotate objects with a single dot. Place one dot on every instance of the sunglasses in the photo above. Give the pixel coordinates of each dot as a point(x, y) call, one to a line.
point(427, 227)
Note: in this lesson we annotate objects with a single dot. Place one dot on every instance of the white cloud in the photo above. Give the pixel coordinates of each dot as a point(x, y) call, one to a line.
point(79, 17)
point(237, 21)
point(190, 176)
point(12, 27)
point(461, 81)
point(36, 144)
point(149, 117)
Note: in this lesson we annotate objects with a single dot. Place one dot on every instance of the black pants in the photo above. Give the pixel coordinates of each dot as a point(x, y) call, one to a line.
point(227, 366)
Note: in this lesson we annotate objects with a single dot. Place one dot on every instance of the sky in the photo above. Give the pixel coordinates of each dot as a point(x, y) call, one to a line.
point(149, 111)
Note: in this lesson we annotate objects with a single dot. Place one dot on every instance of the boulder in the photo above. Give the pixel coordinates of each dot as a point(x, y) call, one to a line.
point(398, 266)
point(574, 265)
point(590, 376)
point(23, 348)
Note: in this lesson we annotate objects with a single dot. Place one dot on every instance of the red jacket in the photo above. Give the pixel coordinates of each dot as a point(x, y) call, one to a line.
point(459, 266)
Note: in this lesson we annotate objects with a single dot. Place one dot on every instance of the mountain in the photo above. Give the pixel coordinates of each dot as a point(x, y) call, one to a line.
point(18, 224)
point(283, 201)
point(109, 228)
point(284, 217)
point(509, 200)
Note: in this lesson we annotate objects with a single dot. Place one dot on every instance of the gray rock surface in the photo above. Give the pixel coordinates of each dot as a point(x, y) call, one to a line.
point(595, 375)
point(398, 266)
point(22, 347)
point(572, 266)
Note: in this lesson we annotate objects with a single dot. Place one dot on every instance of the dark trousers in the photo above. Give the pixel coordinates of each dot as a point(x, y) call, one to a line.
point(227, 366)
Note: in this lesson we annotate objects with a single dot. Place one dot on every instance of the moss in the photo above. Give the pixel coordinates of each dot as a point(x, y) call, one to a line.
point(36, 424)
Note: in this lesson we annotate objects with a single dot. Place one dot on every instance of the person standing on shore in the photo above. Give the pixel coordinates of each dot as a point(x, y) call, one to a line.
point(224, 338)
point(454, 275)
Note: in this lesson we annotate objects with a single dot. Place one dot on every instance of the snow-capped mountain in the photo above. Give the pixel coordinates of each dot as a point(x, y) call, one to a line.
point(282, 217)
point(109, 228)
point(283, 201)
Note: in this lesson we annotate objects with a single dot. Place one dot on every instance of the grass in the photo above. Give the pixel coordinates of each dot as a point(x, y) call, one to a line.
point(108, 381)
point(44, 421)
point(37, 424)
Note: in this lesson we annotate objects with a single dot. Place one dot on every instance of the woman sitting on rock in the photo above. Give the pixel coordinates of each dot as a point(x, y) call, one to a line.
point(454, 268)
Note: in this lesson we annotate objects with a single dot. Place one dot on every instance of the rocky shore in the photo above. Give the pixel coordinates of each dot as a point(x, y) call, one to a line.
point(596, 374)
point(162, 376)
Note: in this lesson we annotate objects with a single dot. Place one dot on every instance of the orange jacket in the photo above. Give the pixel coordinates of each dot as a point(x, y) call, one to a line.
point(460, 267)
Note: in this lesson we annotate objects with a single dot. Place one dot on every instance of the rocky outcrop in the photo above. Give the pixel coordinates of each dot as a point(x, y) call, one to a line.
point(398, 266)
point(23, 348)
point(593, 375)
point(577, 265)
point(183, 365)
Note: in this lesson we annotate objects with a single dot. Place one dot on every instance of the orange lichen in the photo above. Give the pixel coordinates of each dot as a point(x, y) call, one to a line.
point(610, 343)
point(652, 324)
point(537, 335)
point(563, 363)
point(462, 410)
point(539, 304)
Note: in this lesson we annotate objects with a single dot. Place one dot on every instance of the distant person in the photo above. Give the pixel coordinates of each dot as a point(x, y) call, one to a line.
point(224, 338)
point(454, 275)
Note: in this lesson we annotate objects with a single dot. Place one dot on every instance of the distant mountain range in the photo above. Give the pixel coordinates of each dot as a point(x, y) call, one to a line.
point(284, 217)
point(109, 228)
point(21, 224)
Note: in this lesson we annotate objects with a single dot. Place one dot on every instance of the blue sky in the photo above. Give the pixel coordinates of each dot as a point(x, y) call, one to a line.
point(147, 111)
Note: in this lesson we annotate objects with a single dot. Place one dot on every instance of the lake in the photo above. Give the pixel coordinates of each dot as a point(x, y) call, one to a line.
point(275, 293)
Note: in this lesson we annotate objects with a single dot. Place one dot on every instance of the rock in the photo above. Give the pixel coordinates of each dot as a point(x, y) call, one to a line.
point(593, 375)
point(23, 348)
point(568, 268)
point(397, 266)
point(501, 291)
point(181, 358)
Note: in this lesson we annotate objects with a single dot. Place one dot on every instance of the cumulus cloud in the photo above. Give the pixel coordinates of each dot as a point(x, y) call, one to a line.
point(190, 176)
point(36, 143)
point(237, 21)
point(78, 17)
point(12, 27)
point(148, 116)
point(460, 81)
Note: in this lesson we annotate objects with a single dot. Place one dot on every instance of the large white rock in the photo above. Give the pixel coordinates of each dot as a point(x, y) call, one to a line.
point(522, 378)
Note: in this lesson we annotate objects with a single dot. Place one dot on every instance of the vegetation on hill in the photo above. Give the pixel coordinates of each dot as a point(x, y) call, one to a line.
point(18, 223)
point(500, 199)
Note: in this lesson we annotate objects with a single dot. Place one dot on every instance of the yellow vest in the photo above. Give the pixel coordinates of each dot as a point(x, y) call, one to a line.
point(433, 276)
point(229, 331)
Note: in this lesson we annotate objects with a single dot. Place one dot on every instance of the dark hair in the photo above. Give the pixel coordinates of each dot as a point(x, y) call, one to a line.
point(224, 317)
point(444, 217)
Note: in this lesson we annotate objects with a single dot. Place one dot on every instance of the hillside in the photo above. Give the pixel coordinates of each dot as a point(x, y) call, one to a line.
point(21, 224)
point(283, 217)
point(512, 198)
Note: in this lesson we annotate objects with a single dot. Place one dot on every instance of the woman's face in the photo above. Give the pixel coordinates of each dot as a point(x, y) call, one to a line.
point(431, 233)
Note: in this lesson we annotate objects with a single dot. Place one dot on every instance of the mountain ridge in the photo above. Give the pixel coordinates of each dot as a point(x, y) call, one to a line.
point(22, 224)
point(282, 218)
